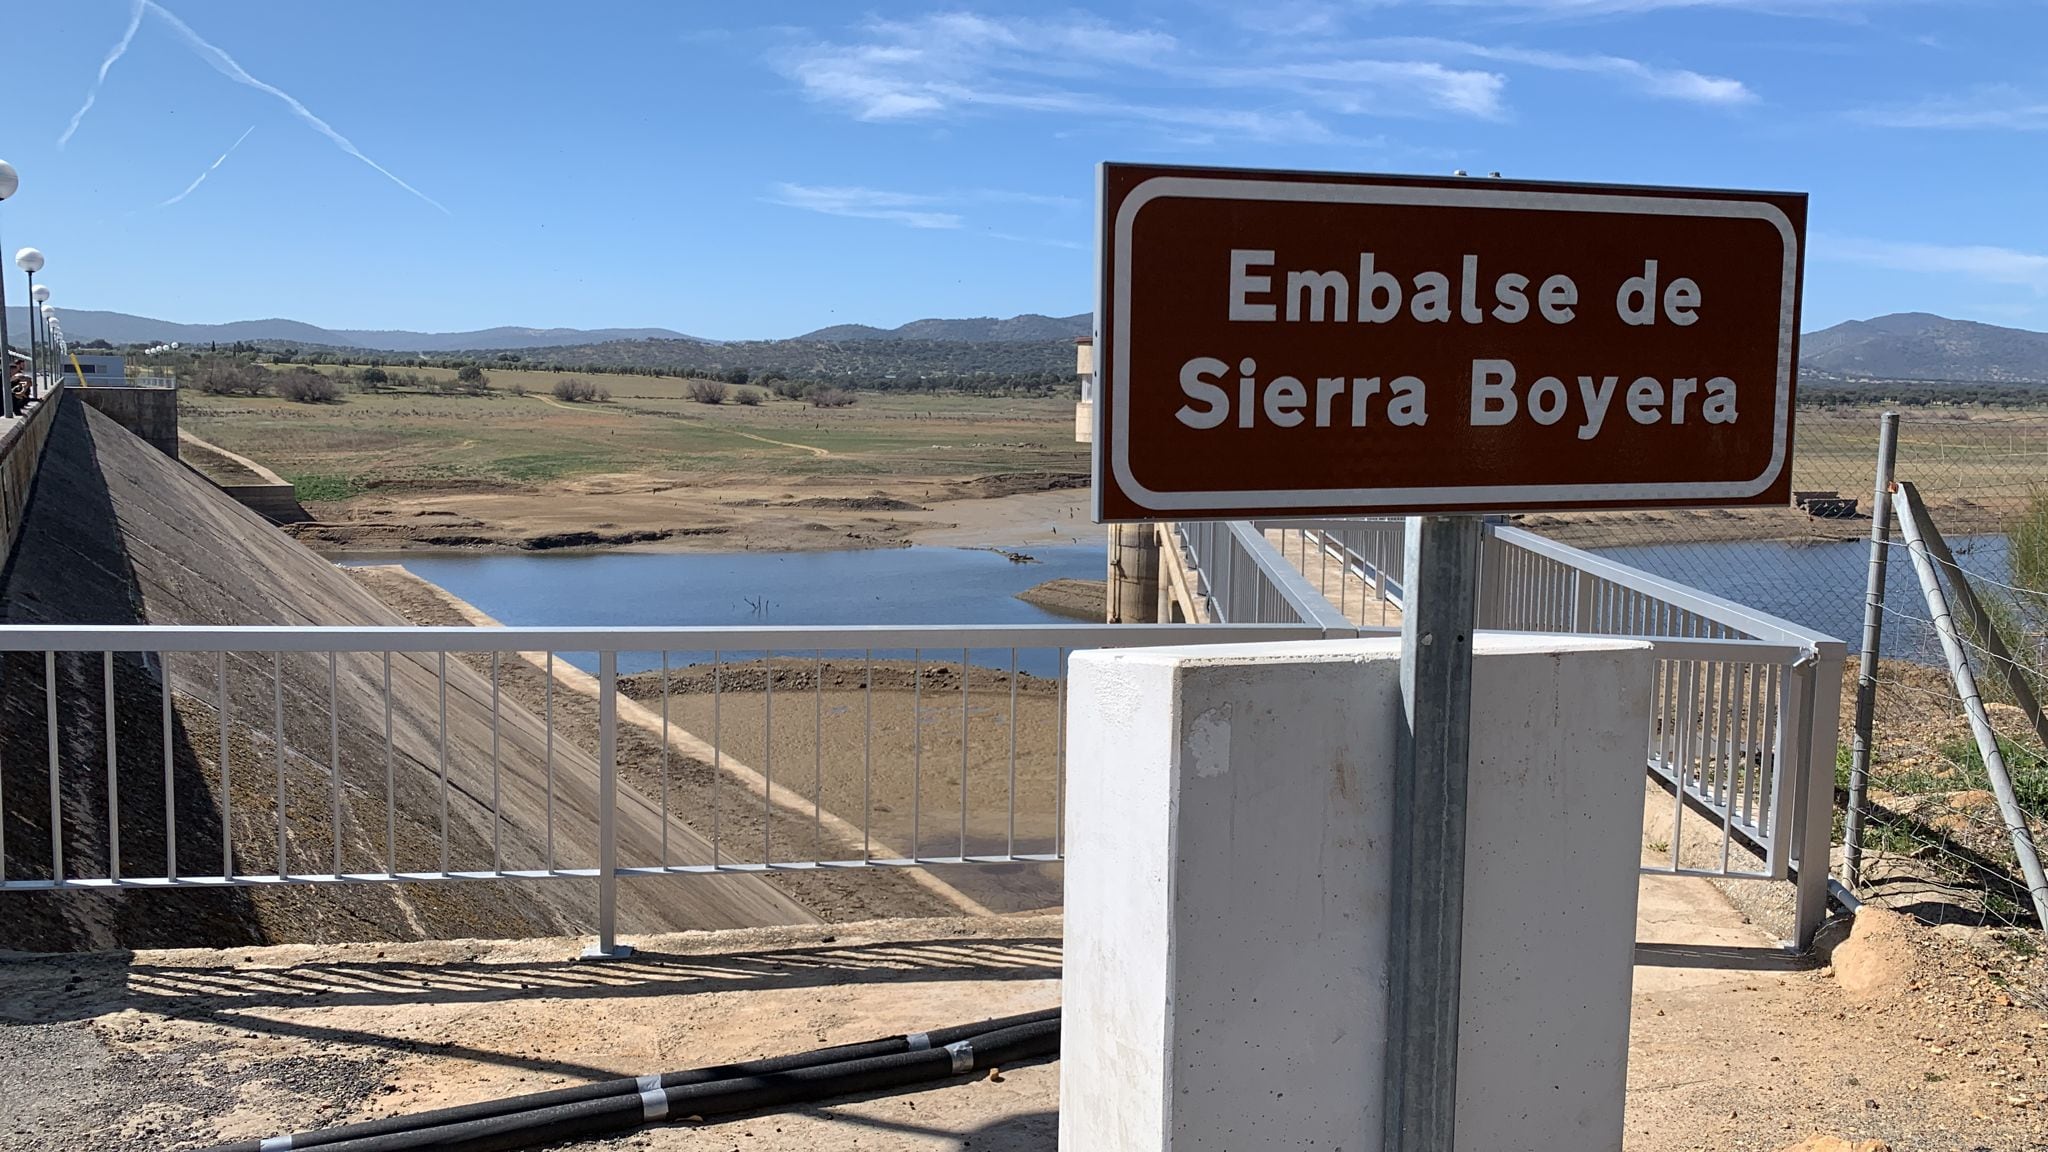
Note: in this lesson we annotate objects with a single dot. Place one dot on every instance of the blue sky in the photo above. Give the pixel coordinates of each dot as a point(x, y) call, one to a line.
point(759, 170)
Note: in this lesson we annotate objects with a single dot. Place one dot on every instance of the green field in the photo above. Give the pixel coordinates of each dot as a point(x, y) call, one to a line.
point(397, 441)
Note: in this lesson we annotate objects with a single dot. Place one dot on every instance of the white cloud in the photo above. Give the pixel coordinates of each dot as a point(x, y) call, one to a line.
point(919, 209)
point(1669, 83)
point(1287, 80)
point(1996, 106)
point(909, 209)
point(952, 64)
point(1983, 262)
point(1625, 7)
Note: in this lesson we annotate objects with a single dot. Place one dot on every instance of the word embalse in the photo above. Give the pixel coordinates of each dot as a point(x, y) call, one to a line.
point(1321, 297)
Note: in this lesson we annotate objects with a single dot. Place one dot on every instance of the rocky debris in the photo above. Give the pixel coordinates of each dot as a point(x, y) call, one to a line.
point(1836, 1144)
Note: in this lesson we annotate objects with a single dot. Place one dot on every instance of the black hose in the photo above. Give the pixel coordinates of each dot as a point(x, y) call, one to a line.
point(627, 1103)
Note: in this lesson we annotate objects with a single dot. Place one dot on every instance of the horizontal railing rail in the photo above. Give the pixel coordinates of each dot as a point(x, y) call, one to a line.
point(367, 755)
point(1242, 579)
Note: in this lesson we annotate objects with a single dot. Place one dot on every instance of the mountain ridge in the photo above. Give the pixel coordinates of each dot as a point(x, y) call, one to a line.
point(1924, 346)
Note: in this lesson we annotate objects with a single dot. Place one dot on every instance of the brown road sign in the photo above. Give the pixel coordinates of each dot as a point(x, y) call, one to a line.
point(1295, 343)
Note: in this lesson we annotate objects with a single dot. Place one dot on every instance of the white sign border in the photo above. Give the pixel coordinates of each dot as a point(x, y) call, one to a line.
point(1505, 497)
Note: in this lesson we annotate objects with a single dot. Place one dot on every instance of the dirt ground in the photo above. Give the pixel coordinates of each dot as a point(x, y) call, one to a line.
point(1928, 1040)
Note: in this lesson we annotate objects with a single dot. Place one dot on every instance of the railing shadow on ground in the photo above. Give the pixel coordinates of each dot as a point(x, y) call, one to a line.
point(189, 991)
point(1723, 957)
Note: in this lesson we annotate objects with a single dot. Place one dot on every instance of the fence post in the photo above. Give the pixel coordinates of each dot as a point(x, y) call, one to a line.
point(608, 946)
point(1821, 713)
point(1873, 629)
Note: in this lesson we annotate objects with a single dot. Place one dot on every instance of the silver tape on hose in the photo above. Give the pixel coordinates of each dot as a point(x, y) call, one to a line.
point(919, 1041)
point(962, 1052)
point(274, 1144)
point(654, 1105)
point(647, 1083)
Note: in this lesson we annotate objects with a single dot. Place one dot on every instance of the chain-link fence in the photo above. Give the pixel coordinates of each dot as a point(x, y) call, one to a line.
point(1934, 842)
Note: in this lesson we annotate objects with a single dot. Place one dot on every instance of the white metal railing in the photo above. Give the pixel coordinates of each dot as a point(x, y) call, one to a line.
point(1744, 704)
point(386, 755)
point(1241, 579)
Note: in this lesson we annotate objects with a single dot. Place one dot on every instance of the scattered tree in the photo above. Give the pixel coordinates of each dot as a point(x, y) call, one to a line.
point(709, 391)
point(747, 396)
point(829, 397)
point(472, 376)
point(576, 390)
point(307, 386)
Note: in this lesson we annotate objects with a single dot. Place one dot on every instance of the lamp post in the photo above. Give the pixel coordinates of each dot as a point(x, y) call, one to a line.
point(10, 180)
point(41, 297)
point(31, 261)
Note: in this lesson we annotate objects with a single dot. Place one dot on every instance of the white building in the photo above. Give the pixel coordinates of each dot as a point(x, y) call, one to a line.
point(99, 371)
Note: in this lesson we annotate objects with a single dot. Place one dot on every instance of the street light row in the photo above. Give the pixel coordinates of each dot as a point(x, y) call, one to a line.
point(46, 343)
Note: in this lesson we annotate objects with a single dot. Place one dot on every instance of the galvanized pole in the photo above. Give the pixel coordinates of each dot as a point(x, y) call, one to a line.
point(7, 354)
point(1905, 503)
point(608, 946)
point(1426, 948)
point(1873, 630)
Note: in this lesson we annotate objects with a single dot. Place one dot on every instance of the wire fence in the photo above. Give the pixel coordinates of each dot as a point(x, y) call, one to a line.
point(1976, 464)
point(1930, 836)
point(1934, 842)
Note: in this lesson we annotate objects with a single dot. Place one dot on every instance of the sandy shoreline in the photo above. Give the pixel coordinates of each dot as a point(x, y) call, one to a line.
point(742, 517)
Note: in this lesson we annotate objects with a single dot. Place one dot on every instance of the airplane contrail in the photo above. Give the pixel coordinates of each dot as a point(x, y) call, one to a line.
point(226, 66)
point(93, 93)
point(190, 188)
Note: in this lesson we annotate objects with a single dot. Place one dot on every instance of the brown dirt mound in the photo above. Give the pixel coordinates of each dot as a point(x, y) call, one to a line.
point(1877, 961)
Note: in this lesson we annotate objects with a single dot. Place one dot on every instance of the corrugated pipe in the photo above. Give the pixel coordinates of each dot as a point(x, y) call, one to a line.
point(518, 1122)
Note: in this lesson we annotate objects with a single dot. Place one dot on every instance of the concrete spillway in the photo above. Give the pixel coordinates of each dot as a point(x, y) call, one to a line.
point(116, 533)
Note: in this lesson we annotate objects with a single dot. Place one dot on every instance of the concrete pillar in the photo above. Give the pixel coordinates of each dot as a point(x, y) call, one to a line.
point(1133, 574)
point(1227, 911)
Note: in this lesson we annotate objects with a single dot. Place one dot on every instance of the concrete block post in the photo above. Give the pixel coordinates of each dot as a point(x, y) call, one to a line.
point(1228, 852)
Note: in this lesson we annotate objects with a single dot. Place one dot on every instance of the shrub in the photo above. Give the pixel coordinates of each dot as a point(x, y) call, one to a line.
point(747, 396)
point(372, 379)
point(709, 391)
point(791, 389)
point(829, 397)
point(473, 376)
point(308, 387)
point(517, 389)
point(231, 378)
point(575, 389)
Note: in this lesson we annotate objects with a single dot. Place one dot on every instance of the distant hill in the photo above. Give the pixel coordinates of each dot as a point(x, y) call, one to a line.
point(1922, 346)
point(123, 328)
point(979, 330)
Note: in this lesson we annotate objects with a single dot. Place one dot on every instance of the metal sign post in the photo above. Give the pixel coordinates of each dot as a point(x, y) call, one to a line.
point(1434, 751)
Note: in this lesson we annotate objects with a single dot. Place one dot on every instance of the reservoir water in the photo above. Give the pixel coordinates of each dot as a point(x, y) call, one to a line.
point(1818, 585)
point(755, 589)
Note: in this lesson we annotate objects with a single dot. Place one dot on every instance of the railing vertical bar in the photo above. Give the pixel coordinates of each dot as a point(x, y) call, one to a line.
point(163, 664)
point(867, 762)
point(717, 746)
point(1752, 754)
point(56, 793)
point(390, 779)
point(547, 698)
point(768, 759)
point(113, 771)
point(1059, 752)
point(442, 755)
point(916, 748)
point(334, 759)
point(1683, 777)
point(1010, 841)
point(965, 674)
point(664, 758)
point(227, 825)
point(818, 761)
point(497, 794)
point(277, 720)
